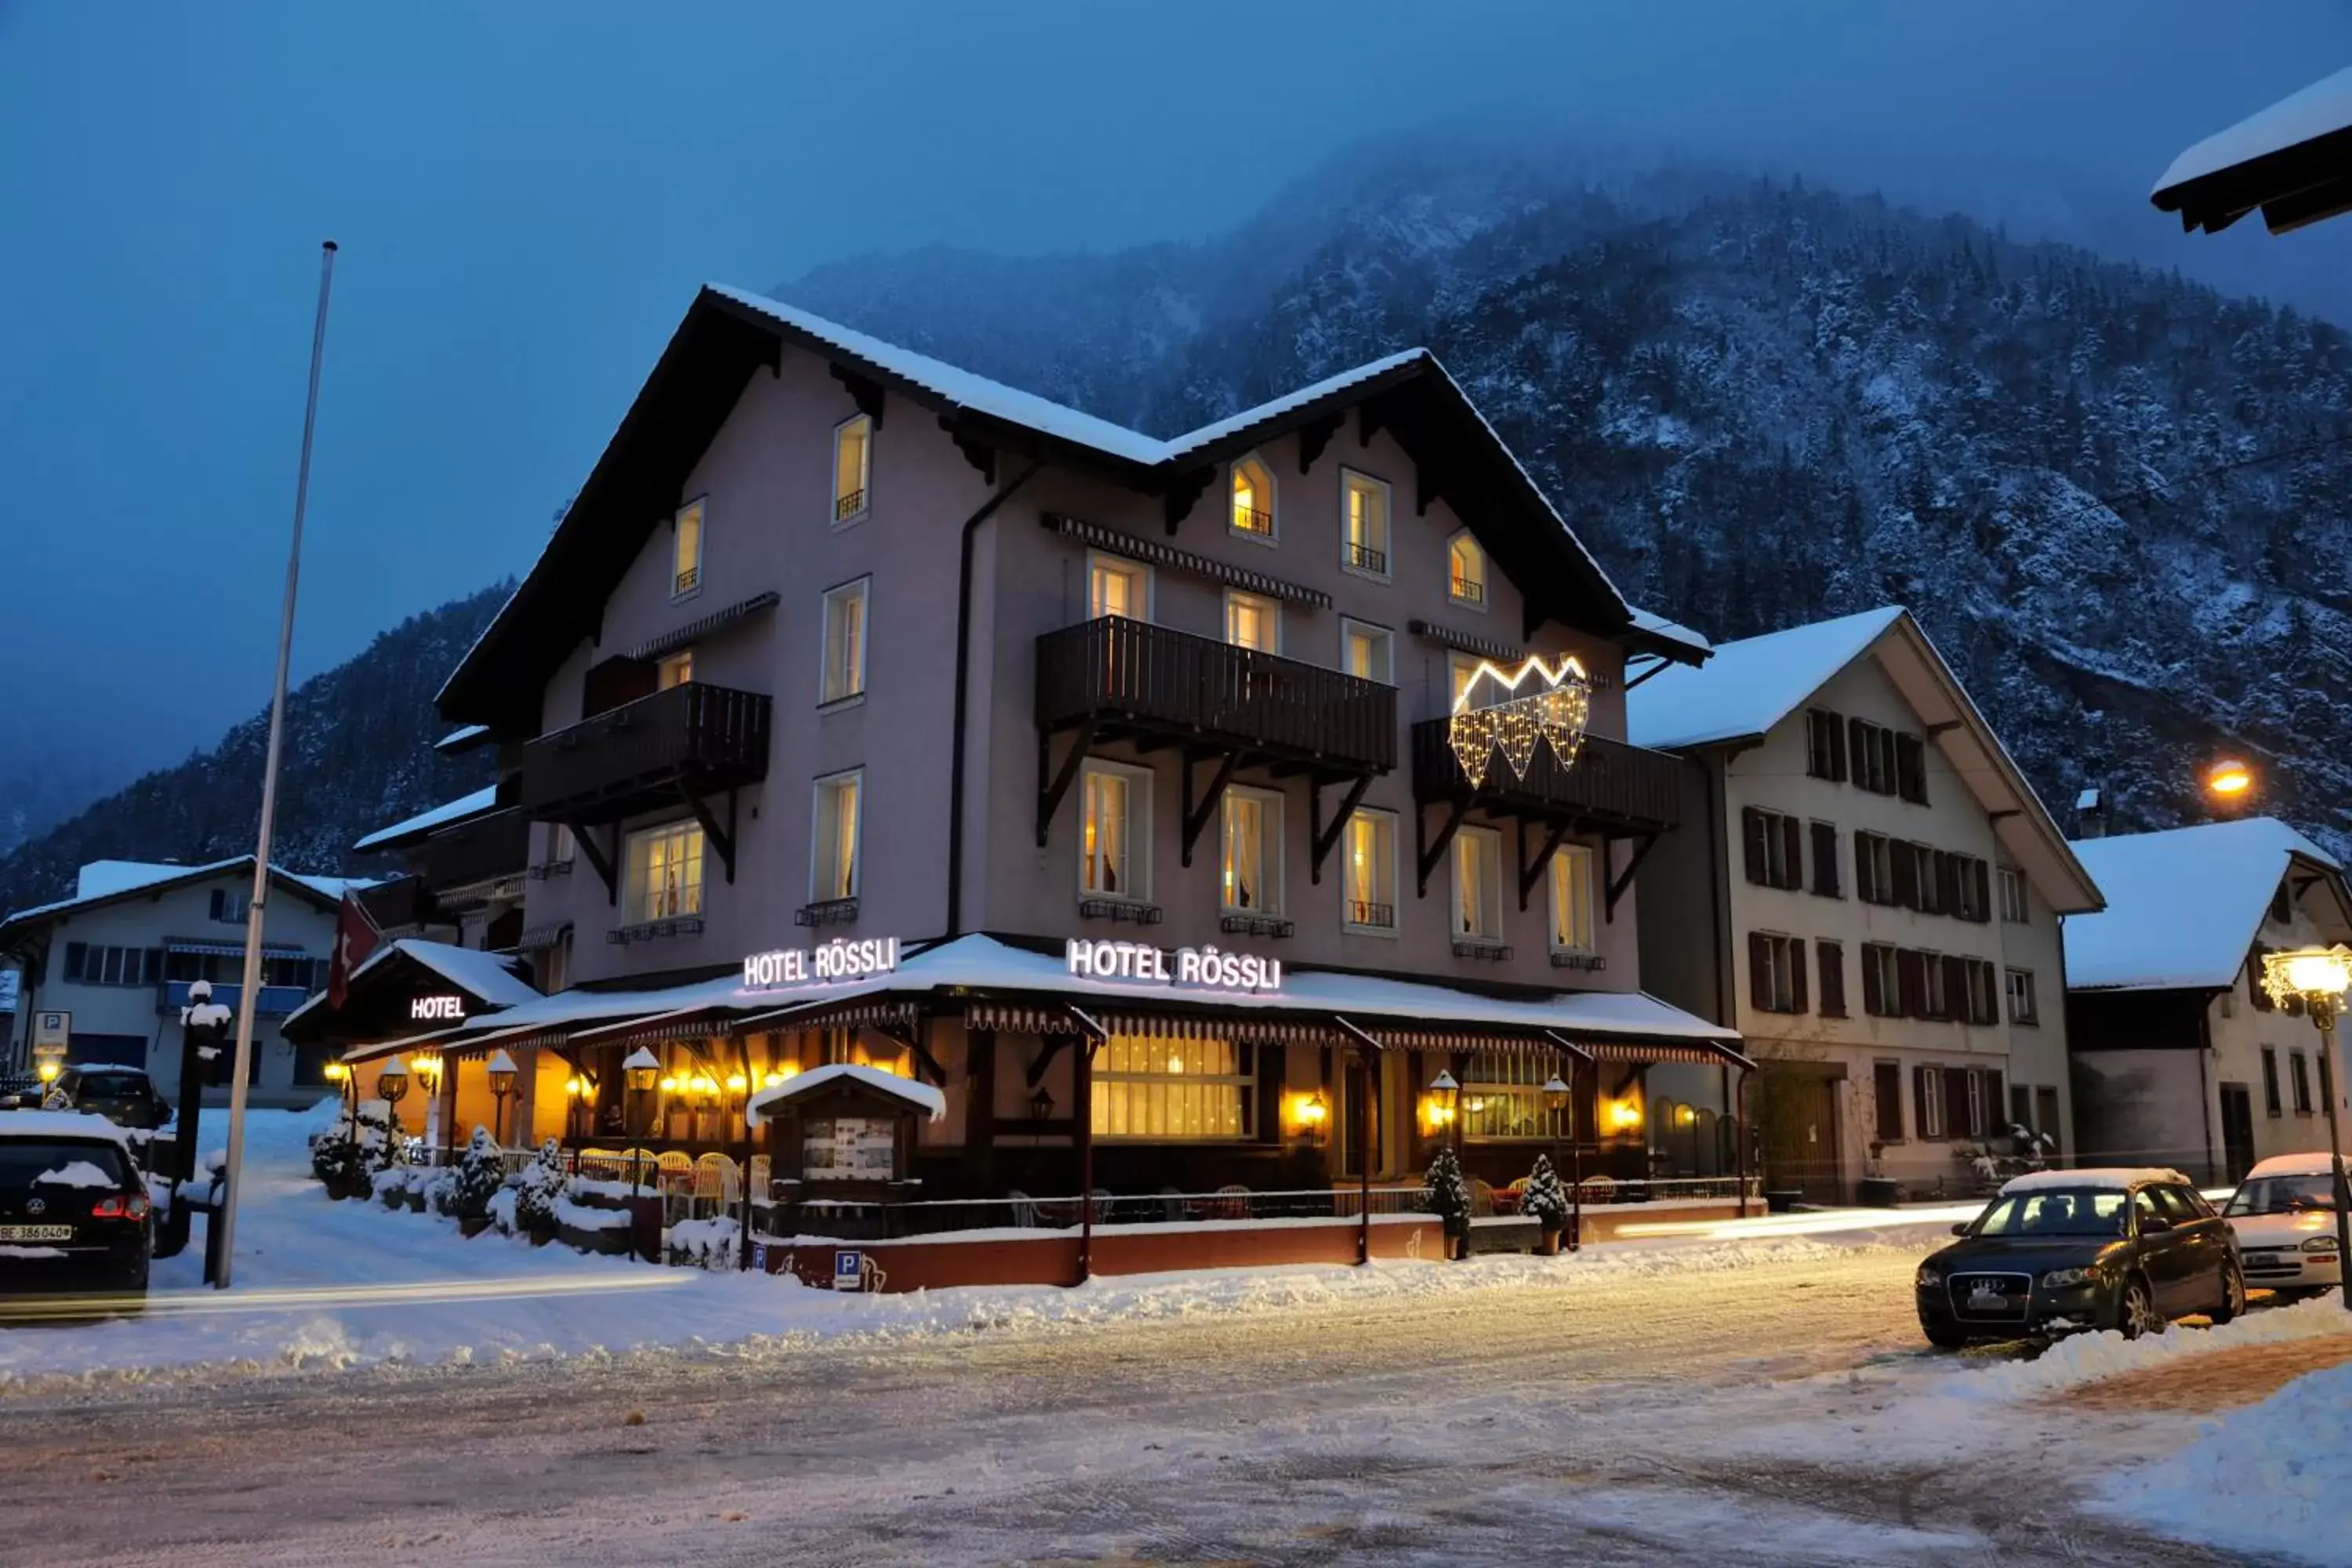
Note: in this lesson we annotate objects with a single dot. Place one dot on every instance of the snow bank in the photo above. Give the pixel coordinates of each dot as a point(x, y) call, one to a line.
point(2087, 1358)
point(579, 1217)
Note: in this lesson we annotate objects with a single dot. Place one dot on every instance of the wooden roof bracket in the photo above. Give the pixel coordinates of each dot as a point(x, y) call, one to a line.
point(1429, 854)
point(1325, 837)
point(1623, 879)
point(1051, 789)
point(1199, 809)
point(722, 839)
point(1532, 872)
point(864, 392)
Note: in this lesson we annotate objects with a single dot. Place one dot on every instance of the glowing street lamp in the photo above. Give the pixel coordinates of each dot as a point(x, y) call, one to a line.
point(502, 1073)
point(1445, 1096)
point(1556, 1098)
point(392, 1084)
point(640, 1071)
point(2318, 977)
point(2229, 786)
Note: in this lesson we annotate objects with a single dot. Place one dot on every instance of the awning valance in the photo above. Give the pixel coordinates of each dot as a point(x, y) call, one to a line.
point(231, 949)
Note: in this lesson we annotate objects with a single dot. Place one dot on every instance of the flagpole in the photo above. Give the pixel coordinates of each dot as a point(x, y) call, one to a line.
point(248, 994)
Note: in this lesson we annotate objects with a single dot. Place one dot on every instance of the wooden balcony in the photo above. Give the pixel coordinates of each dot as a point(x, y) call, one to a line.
point(1614, 788)
point(1130, 680)
point(689, 742)
point(482, 850)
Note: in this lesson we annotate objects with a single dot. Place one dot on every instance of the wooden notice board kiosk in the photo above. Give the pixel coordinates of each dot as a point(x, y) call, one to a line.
point(840, 1139)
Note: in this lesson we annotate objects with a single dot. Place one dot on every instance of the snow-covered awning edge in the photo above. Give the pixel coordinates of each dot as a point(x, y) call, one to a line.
point(922, 1097)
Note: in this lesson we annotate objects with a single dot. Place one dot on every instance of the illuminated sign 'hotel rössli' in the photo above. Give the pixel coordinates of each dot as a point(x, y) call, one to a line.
point(826, 963)
point(1207, 968)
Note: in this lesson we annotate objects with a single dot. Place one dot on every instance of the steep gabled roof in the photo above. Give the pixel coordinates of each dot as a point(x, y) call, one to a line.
point(104, 882)
point(1755, 684)
point(2184, 905)
point(728, 332)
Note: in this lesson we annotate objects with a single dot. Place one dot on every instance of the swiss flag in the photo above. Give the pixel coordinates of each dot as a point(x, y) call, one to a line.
point(356, 938)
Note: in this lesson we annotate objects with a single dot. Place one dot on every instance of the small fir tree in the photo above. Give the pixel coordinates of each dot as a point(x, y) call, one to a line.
point(538, 1190)
point(1445, 1191)
point(478, 1176)
point(1546, 1199)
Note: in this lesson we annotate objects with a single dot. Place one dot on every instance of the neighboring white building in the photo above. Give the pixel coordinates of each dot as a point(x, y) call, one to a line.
point(1866, 888)
point(2179, 1058)
point(120, 954)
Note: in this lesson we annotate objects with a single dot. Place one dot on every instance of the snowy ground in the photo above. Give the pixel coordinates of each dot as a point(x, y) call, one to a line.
point(1696, 1400)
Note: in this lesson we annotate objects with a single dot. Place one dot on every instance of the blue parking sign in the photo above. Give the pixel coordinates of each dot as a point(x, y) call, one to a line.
point(848, 1269)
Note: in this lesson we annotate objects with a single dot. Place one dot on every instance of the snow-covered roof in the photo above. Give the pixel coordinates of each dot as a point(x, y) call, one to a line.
point(2103, 1180)
point(1671, 631)
point(441, 816)
point(2315, 1164)
point(1750, 684)
point(1276, 408)
point(2324, 106)
point(103, 879)
point(2183, 905)
point(921, 1095)
point(461, 738)
point(62, 1124)
point(489, 976)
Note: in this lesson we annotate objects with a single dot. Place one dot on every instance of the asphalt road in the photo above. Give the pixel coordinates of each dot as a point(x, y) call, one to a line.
point(1508, 1425)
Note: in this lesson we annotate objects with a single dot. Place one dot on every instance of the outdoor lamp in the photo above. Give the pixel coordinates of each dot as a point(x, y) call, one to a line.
point(737, 1083)
point(336, 1072)
point(1555, 1093)
point(1041, 1104)
point(391, 1084)
point(1625, 1113)
point(1444, 1095)
point(48, 1072)
point(643, 1069)
point(2318, 977)
point(2230, 777)
point(502, 1084)
point(1314, 1110)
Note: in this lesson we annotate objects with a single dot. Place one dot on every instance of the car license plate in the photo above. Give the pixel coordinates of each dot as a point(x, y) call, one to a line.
point(36, 1233)
point(1988, 1298)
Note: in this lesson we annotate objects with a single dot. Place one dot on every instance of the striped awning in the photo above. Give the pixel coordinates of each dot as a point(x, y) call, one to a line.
point(696, 630)
point(539, 939)
point(867, 1011)
point(1033, 1018)
point(1119, 542)
point(231, 949)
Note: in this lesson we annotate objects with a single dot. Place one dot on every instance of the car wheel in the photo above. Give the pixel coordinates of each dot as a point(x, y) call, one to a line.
point(2136, 1314)
point(2233, 1294)
point(1943, 1338)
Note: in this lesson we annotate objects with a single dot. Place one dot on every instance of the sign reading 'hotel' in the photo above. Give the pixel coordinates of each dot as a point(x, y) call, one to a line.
point(1207, 968)
point(828, 963)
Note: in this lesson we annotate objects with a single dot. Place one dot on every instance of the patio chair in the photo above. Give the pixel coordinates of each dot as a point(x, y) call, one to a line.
point(1230, 1201)
point(674, 1171)
point(1024, 1207)
point(761, 1193)
point(1482, 1197)
point(714, 1181)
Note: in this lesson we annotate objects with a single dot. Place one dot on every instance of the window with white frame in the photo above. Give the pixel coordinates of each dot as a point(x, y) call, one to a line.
point(852, 468)
point(1571, 899)
point(685, 551)
point(1466, 570)
point(1250, 880)
point(1114, 858)
point(1928, 1101)
point(1502, 1098)
point(2023, 1008)
point(845, 642)
point(1364, 514)
point(1370, 871)
point(1117, 587)
point(2012, 895)
point(1170, 1088)
point(1478, 885)
point(1461, 670)
point(839, 814)
point(1253, 621)
point(665, 872)
point(675, 669)
point(1367, 651)
point(1778, 982)
point(1252, 490)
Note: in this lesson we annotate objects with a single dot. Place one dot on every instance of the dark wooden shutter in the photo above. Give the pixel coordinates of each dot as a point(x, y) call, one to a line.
point(1860, 734)
point(1825, 860)
point(1760, 972)
point(1797, 1002)
point(1956, 987)
point(1907, 876)
point(1911, 977)
point(1837, 749)
point(1751, 833)
point(1981, 877)
point(1922, 1113)
point(1948, 882)
point(1887, 1086)
point(1911, 768)
point(1792, 853)
point(1996, 1101)
point(1874, 999)
point(1956, 1104)
point(1832, 962)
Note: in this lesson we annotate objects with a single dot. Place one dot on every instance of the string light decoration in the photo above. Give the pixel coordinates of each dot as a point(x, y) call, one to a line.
point(1554, 713)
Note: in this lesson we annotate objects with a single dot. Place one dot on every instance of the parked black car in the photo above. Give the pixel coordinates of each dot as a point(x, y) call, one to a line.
point(2064, 1250)
point(73, 1206)
point(123, 1095)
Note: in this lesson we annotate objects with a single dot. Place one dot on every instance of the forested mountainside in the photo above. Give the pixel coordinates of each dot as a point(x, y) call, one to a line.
point(359, 754)
point(2115, 500)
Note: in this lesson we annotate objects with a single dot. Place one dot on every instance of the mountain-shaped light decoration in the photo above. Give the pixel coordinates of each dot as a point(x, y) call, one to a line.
point(1554, 713)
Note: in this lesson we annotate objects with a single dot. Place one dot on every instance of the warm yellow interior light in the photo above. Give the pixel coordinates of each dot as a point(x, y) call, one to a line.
point(2229, 778)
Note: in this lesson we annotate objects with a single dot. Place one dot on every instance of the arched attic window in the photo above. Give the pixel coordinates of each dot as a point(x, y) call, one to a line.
point(1466, 570)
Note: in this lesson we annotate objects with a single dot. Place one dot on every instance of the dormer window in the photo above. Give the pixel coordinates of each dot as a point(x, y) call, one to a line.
point(852, 468)
point(1253, 498)
point(686, 551)
point(1466, 570)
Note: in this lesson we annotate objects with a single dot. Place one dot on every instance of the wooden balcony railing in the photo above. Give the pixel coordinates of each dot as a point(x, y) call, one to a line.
point(1134, 676)
point(480, 850)
point(1613, 785)
point(701, 737)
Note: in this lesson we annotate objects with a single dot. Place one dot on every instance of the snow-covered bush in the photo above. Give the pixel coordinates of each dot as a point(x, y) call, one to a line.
point(1546, 1198)
point(706, 1244)
point(1444, 1191)
point(539, 1190)
point(477, 1177)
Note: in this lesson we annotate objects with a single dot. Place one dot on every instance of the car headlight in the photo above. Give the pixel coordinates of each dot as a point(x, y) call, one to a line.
point(1929, 1277)
point(2320, 1244)
point(2061, 1278)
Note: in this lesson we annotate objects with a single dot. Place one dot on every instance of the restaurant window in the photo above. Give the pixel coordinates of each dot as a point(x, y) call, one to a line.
point(1824, 745)
point(2012, 895)
point(1114, 863)
point(1364, 506)
point(2024, 1006)
point(2299, 1075)
point(1466, 570)
point(852, 468)
point(1253, 621)
point(1887, 1089)
point(1371, 891)
point(1253, 499)
point(676, 669)
point(1502, 1098)
point(685, 551)
point(2271, 1106)
point(834, 870)
point(1571, 899)
point(1478, 885)
point(1250, 880)
point(1928, 1103)
point(665, 872)
point(845, 641)
point(1367, 652)
point(1168, 1089)
point(1116, 587)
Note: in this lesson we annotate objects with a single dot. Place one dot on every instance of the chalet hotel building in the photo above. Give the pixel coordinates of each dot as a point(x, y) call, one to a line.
point(1103, 786)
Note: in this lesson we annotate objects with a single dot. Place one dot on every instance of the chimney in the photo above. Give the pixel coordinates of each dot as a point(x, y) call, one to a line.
point(2091, 813)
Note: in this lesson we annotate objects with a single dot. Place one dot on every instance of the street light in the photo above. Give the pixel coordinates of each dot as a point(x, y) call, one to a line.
point(1556, 1098)
point(1445, 1096)
point(640, 1071)
point(502, 1073)
point(391, 1084)
point(2318, 977)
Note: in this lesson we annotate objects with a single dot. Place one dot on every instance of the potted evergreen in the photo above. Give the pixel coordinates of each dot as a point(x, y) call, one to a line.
point(1445, 1194)
point(1546, 1203)
point(537, 1193)
point(475, 1182)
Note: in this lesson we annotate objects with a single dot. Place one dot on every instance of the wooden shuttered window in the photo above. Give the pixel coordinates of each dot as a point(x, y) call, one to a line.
point(1911, 768)
point(1956, 987)
point(1825, 860)
point(1947, 881)
point(1955, 1105)
point(1760, 972)
point(1907, 876)
point(1996, 1104)
point(1927, 1103)
point(1911, 978)
point(1824, 745)
point(1981, 877)
point(1832, 961)
point(1875, 1000)
point(1887, 1089)
point(1798, 1002)
point(1751, 838)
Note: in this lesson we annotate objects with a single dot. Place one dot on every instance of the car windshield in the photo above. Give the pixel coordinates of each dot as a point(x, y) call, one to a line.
point(2283, 1195)
point(24, 1160)
point(2070, 1211)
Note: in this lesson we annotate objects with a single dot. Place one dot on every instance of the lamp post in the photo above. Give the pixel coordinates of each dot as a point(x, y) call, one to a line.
point(640, 1072)
point(502, 1074)
point(575, 1105)
point(1556, 1100)
point(391, 1084)
point(1444, 1100)
point(2318, 977)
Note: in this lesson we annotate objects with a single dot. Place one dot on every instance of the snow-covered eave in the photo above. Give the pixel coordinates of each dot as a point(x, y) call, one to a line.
point(2293, 160)
point(446, 815)
point(22, 924)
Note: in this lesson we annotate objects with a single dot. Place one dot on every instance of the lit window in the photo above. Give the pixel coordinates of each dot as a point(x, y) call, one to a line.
point(1466, 570)
point(1366, 652)
point(1502, 1098)
point(833, 869)
point(1478, 885)
point(1571, 899)
point(665, 872)
point(1251, 882)
point(677, 669)
point(852, 463)
point(1112, 865)
point(1157, 1087)
point(1253, 499)
point(1371, 891)
point(1366, 509)
point(1461, 670)
point(686, 554)
point(845, 642)
point(1253, 621)
point(1116, 587)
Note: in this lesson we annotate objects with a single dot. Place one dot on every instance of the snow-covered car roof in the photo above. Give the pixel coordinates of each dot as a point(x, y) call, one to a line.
point(48, 1124)
point(2117, 1179)
point(2311, 1164)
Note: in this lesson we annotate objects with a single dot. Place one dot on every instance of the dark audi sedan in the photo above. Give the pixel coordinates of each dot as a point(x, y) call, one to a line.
point(2064, 1250)
point(73, 1206)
